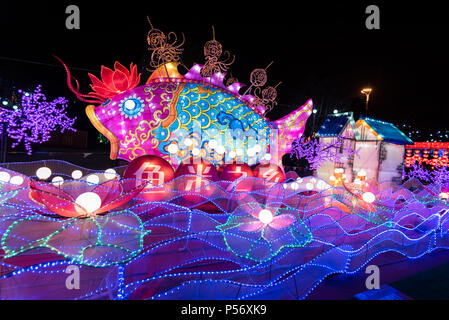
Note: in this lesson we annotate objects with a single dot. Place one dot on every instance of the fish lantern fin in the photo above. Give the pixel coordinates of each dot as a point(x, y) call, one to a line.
point(292, 126)
point(165, 71)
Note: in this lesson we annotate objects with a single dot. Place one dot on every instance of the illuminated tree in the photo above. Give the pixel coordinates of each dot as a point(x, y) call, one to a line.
point(419, 172)
point(316, 152)
point(34, 119)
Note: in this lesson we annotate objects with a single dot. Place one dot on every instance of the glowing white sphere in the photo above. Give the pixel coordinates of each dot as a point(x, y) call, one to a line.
point(4, 176)
point(444, 195)
point(130, 104)
point(267, 156)
point(368, 197)
point(17, 180)
point(43, 173)
point(321, 185)
point(76, 174)
point(257, 148)
point(110, 173)
point(332, 178)
point(89, 201)
point(173, 148)
point(239, 152)
point(220, 150)
point(309, 186)
point(294, 186)
point(188, 142)
point(265, 216)
point(213, 144)
point(251, 152)
point(58, 181)
point(93, 178)
point(232, 154)
point(196, 152)
point(361, 173)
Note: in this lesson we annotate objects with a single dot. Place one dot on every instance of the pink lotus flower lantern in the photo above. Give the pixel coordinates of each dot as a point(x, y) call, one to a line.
point(82, 199)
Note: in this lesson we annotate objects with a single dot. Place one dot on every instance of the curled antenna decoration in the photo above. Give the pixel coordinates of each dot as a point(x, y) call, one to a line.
point(164, 48)
point(212, 53)
point(258, 79)
point(269, 95)
point(264, 98)
point(91, 97)
point(231, 80)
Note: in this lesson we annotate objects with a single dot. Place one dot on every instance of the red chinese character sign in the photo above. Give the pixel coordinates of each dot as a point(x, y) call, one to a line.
point(270, 172)
point(198, 181)
point(234, 171)
point(156, 171)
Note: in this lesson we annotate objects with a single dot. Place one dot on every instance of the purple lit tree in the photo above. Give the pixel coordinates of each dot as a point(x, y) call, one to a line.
point(437, 176)
point(316, 152)
point(34, 119)
point(440, 176)
point(419, 172)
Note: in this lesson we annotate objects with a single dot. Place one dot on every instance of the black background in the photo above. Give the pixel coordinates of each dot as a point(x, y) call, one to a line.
point(321, 50)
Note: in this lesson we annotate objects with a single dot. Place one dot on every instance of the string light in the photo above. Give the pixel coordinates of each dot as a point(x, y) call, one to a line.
point(43, 173)
point(93, 178)
point(17, 180)
point(110, 174)
point(77, 174)
point(57, 181)
point(4, 176)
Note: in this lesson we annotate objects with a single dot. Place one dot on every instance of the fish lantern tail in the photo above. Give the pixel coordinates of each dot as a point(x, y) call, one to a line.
point(291, 127)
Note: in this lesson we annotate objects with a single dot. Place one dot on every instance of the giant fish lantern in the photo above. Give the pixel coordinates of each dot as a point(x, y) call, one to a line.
point(178, 116)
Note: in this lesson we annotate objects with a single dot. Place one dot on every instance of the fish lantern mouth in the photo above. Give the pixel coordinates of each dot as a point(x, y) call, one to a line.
point(82, 198)
point(90, 112)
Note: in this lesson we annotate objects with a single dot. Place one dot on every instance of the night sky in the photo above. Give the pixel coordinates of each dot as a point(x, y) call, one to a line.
point(321, 51)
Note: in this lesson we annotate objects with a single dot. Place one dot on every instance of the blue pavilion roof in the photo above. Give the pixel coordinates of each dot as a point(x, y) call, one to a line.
point(334, 124)
point(388, 131)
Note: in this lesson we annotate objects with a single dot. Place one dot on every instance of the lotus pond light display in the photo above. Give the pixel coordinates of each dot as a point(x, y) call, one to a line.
point(189, 217)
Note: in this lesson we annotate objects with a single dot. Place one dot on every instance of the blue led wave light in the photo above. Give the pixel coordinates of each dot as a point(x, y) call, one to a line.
point(174, 249)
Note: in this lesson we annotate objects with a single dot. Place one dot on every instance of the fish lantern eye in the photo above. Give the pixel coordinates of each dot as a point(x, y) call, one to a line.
point(131, 107)
point(130, 104)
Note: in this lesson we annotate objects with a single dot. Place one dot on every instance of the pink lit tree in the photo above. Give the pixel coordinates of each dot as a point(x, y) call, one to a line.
point(34, 119)
point(316, 152)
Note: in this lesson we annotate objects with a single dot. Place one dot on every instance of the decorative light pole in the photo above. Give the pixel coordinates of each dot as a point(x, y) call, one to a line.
point(367, 92)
